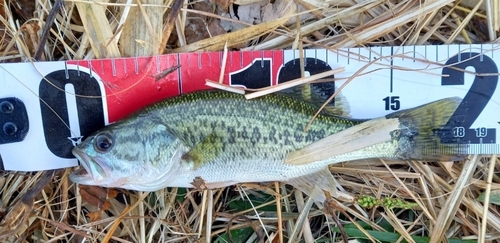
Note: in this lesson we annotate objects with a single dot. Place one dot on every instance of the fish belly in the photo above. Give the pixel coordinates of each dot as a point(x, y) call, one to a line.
point(222, 173)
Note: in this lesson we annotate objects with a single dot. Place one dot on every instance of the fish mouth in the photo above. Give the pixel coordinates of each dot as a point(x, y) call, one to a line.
point(91, 172)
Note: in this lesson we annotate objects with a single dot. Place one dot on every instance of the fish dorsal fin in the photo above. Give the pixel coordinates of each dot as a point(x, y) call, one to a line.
point(317, 94)
point(206, 150)
point(314, 184)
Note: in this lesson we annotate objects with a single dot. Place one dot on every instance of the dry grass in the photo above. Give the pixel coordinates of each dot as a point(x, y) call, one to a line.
point(440, 198)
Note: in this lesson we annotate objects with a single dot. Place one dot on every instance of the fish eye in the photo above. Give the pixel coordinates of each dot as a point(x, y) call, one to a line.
point(103, 142)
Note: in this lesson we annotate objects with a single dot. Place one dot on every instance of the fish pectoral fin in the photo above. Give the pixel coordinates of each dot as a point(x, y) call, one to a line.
point(314, 184)
point(351, 139)
point(205, 151)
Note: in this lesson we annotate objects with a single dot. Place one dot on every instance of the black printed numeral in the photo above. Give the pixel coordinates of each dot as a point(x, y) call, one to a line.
point(54, 109)
point(392, 103)
point(259, 73)
point(255, 76)
point(291, 71)
point(458, 129)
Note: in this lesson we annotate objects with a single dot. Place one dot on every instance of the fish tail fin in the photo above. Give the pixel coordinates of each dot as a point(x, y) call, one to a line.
point(423, 130)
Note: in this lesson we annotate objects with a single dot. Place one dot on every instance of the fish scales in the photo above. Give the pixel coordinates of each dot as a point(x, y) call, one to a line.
point(261, 124)
point(225, 139)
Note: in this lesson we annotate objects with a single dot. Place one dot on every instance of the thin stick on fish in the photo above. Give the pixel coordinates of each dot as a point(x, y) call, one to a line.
point(268, 90)
point(293, 83)
point(223, 66)
point(224, 87)
point(354, 138)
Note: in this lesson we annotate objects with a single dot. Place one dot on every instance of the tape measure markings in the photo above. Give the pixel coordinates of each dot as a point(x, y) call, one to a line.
point(380, 91)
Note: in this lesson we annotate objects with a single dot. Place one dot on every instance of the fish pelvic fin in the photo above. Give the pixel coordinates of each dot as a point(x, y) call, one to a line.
point(315, 184)
point(421, 131)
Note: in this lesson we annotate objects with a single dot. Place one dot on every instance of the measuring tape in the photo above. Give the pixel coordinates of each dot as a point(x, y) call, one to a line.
point(42, 118)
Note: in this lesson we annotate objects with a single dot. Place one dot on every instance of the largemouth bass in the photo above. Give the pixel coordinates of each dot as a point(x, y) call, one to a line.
point(224, 139)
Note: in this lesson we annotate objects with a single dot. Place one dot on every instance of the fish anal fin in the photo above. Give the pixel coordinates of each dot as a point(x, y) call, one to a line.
point(205, 151)
point(314, 184)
